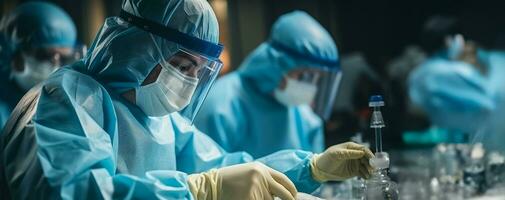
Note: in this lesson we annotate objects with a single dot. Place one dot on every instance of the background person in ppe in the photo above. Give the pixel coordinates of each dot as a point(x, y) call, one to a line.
point(35, 39)
point(265, 106)
point(463, 92)
point(89, 131)
point(450, 58)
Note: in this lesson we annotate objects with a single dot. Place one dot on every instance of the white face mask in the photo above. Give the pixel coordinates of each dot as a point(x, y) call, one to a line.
point(171, 92)
point(34, 72)
point(296, 93)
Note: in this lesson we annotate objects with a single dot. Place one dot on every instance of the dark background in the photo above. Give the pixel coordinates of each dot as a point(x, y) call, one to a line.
point(380, 29)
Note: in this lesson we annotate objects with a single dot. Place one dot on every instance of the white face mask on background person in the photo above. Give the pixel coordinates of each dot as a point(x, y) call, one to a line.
point(171, 92)
point(296, 93)
point(34, 72)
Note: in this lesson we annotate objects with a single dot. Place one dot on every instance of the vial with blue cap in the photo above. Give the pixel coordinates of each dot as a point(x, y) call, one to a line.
point(379, 186)
point(377, 122)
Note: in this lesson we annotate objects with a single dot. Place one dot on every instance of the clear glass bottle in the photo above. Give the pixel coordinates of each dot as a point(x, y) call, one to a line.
point(380, 186)
point(495, 170)
point(358, 188)
point(377, 122)
point(474, 174)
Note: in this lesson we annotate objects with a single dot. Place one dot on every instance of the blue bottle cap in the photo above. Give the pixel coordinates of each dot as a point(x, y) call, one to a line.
point(375, 101)
point(376, 98)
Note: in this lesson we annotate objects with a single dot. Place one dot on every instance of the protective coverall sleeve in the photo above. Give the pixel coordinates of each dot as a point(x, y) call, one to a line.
point(68, 150)
point(205, 154)
point(295, 164)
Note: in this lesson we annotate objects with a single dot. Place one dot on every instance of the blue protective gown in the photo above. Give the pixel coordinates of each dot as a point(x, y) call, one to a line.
point(460, 99)
point(75, 137)
point(30, 25)
point(240, 112)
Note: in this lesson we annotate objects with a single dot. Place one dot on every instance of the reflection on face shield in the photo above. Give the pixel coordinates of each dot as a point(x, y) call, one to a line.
point(173, 88)
point(187, 63)
point(308, 75)
point(178, 84)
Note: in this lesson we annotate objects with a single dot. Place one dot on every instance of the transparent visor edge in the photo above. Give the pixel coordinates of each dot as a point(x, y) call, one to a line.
point(186, 61)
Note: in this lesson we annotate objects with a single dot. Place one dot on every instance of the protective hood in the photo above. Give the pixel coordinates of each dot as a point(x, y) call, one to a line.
point(122, 54)
point(296, 40)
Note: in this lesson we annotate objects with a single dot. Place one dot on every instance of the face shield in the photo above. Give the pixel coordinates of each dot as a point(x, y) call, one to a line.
point(315, 85)
point(328, 85)
point(189, 66)
point(325, 76)
point(197, 73)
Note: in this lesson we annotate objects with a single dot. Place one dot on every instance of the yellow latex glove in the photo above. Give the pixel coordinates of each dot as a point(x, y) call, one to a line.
point(341, 161)
point(245, 181)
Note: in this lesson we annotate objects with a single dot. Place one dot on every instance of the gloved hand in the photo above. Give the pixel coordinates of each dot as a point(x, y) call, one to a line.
point(341, 162)
point(245, 181)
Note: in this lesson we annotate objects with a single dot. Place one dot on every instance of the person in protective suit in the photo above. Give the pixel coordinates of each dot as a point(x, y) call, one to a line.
point(118, 123)
point(35, 39)
point(278, 97)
